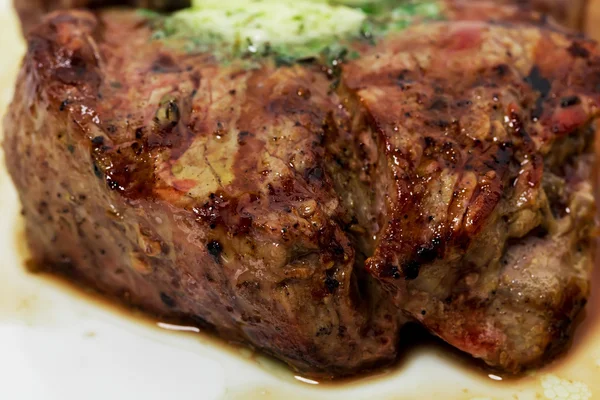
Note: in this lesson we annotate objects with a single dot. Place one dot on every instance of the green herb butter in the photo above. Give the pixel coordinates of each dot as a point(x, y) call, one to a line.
point(298, 29)
point(288, 29)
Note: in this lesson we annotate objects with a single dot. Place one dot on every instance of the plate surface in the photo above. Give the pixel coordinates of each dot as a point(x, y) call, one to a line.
point(60, 343)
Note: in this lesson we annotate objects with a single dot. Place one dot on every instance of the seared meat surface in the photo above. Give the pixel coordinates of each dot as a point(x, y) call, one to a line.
point(440, 177)
point(470, 117)
point(204, 197)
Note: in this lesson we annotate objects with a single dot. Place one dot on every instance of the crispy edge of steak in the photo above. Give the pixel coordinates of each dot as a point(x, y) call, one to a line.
point(159, 256)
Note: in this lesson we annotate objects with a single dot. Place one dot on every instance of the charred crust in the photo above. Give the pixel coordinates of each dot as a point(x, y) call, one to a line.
point(390, 271)
point(165, 64)
point(501, 70)
point(97, 171)
point(578, 51)
point(167, 300)
point(331, 284)
point(569, 101)
point(438, 103)
point(202, 323)
point(411, 269)
point(242, 137)
point(63, 105)
point(215, 249)
point(541, 85)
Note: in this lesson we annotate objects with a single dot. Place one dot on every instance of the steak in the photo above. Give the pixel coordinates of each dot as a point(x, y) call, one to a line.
point(191, 190)
point(466, 122)
point(441, 177)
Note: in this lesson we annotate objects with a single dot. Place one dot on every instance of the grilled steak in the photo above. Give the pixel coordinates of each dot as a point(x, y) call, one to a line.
point(438, 178)
point(191, 190)
point(472, 137)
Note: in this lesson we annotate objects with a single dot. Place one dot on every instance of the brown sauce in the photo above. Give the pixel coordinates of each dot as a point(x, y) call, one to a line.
point(580, 363)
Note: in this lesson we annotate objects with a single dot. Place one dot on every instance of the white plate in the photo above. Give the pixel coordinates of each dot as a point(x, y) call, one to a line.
point(57, 343)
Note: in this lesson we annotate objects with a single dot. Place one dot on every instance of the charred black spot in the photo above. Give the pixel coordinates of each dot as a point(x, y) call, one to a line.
point(429, 141)
point(63, 105)
point(112, 184)
point(242, 137)
point(501, 69)
point(331, 284)
point(324, 331)
point(201, 323)
point(569, 101)
point(165, 64)
point(316, 174)
point(438, 103)
point(215, 249)
point(98, 140)
point(390, 271)
point(577, 50)
point(411, 270)
point(97, 171)
point(540, 84)
point(403, 80)
point(440, 123)
point(139, 132)
point(428, 252)
point(167, 300)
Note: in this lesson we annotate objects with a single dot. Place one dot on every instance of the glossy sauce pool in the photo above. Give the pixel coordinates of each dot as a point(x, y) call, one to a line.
point(47, 312)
